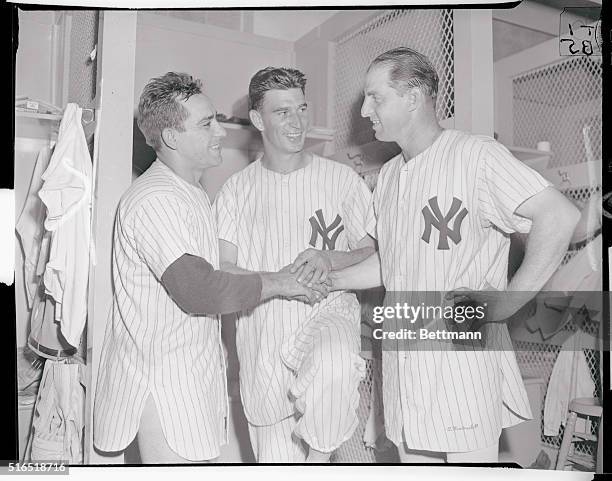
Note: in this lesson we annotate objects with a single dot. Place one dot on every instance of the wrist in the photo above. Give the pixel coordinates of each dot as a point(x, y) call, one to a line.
point(337, 281)
point(270, 284)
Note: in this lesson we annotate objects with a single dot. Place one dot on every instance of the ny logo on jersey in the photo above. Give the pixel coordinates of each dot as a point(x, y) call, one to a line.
point(433, 217)
point(320, 228)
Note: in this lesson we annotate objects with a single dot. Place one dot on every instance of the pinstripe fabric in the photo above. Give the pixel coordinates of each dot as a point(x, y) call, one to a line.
point(276, 443)
point(439, 399)
point(270, 217)
point(151, 345)
point(328, 372)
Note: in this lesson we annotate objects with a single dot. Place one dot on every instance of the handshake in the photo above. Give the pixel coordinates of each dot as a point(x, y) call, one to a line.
point(306, 279)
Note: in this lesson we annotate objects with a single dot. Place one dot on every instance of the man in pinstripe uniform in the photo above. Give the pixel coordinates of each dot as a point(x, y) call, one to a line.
point(299, 365)
point(162, 375)
point(444, 208)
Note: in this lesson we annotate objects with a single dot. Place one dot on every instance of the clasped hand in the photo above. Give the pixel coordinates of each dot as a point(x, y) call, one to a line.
point(311, 269)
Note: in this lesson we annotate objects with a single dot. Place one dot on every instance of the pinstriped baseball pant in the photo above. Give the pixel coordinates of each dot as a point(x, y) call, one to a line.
point(325, 388)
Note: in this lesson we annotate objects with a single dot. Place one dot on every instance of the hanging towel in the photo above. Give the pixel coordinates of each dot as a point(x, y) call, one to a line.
point(66, 192)
point(57, 425)
point(570, 378)
point(30, 228)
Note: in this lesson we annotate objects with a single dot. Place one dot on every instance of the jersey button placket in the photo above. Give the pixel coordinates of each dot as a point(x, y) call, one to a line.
point(285, 190)
point(402, 212)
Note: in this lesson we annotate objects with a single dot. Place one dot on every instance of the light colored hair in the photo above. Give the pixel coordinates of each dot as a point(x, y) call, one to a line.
point(407, 69)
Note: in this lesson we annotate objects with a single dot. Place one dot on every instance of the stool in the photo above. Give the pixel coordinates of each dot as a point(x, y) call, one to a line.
point(589, 408)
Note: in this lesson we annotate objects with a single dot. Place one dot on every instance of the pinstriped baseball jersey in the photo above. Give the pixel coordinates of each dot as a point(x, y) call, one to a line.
point(442, 223)
point(271, 218)
point(151, 345)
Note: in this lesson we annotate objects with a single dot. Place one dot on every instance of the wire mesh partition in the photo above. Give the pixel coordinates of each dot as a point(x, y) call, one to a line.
point(561, 103)
point(431, 33)
point(427, 31)
point(83, 74)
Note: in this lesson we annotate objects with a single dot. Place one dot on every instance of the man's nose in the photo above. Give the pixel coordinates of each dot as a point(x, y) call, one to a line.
point(365, 108)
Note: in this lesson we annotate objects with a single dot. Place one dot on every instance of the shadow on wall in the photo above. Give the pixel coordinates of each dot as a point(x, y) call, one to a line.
point(142, 155)
point(360, 130)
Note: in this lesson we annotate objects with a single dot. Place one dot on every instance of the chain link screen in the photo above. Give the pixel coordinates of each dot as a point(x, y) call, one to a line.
point(561, 103)
point(427, 31)
point(83, 39)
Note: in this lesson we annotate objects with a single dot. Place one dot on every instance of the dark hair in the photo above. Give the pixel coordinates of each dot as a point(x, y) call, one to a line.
point(409, 68)
point(158, 108)
point(273, 78)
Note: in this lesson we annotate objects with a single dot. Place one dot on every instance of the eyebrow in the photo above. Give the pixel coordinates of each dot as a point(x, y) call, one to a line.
point(281, 109)
point(209, 118)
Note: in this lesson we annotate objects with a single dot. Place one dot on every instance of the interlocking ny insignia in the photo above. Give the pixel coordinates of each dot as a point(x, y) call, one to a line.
point(433, 217)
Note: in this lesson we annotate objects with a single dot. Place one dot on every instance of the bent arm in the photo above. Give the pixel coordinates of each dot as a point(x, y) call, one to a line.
point(197, 288)
point(343, 259)
point(364, 275)
point(282, 283)
point(553, 220)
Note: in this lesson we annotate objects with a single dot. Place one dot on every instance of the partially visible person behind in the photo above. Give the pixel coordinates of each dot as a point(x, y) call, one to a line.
point(444, 209)
point(299, 365)
point(162, 373)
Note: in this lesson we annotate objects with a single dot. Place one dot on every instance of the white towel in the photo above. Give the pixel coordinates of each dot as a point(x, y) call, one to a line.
point(570, 378)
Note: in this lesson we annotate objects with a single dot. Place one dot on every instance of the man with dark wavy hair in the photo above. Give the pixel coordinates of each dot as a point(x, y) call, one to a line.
point(299, 365)
point(162, 371)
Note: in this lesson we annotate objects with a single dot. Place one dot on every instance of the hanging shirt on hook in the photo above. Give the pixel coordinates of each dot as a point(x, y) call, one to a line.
point(66, 192)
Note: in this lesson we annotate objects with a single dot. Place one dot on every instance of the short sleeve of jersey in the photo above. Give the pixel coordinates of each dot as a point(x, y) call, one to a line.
point(504, 184)
point(356, 207)
point(161, 230)
point(225, 208)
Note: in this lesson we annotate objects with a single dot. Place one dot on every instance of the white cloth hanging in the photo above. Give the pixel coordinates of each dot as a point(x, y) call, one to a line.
point(57, 424)
point(30, 228)
point(570, 378)
point(66, 192)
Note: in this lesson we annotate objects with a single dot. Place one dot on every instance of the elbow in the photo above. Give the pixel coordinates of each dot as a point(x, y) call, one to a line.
point(567, 219)
point(204, 305)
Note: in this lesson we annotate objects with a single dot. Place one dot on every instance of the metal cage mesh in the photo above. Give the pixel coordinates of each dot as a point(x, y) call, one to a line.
point(561, 103)
point(427, 31)
point(354, 450)
point(431, 33)
point(83, 75)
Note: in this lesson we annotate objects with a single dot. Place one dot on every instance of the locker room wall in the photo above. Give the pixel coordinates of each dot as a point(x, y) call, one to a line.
point(32, 78)
point(223, 59)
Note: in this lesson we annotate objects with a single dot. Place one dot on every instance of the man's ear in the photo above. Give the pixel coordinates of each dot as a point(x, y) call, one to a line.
point(256, 119)
point(414, 97)
point(411, 96)
point(168, 137)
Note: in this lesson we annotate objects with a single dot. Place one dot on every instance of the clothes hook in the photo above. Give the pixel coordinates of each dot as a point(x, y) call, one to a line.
point(91, 118)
